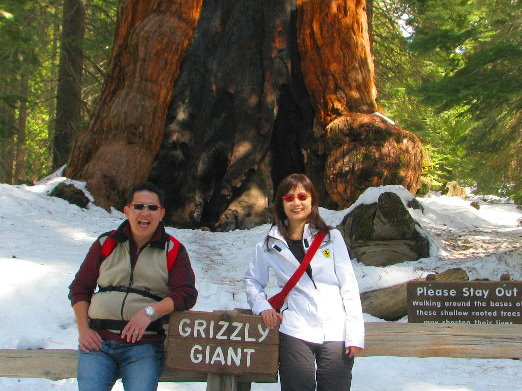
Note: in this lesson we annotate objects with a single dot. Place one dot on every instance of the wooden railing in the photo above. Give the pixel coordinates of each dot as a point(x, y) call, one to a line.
point(382, 339)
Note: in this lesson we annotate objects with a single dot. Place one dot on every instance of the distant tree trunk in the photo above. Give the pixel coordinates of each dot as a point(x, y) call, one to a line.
point(68, 99)
point(20, 135)
point(52, 85)
point(7, 132)
point(265, 88)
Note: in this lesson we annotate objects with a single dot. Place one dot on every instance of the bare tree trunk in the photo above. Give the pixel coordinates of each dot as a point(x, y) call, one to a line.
point(118, 148)
point(7, 133)
point(68, 100)
point(52, 84)
point(20, 135)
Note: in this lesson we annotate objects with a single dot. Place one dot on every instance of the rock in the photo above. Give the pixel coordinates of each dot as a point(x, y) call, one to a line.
point(384, 233)
point(415, 204)
point(71, 194)
point(475, 205)
point(454, 190)
point(388, 252)
point(391, 303)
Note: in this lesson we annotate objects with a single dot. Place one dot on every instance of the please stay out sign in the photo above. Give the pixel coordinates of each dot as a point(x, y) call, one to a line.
point(222, 343)
point(468, 302)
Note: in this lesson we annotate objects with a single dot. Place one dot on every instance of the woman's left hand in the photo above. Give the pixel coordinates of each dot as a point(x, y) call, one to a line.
point(352, 351)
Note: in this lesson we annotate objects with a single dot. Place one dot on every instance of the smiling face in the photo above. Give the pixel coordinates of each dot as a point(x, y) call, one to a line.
point(143, 222)
point(298, 211)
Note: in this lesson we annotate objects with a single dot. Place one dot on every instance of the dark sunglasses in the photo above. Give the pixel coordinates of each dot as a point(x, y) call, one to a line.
point(151, 207)
point(299, 196)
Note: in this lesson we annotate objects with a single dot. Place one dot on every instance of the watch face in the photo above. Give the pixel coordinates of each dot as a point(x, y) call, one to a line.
point(149, 311)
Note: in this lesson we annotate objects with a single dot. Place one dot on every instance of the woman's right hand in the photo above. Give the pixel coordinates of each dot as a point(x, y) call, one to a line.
point(271, 318)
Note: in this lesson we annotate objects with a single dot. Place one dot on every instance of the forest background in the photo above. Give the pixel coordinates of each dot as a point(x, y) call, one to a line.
point(448, 71)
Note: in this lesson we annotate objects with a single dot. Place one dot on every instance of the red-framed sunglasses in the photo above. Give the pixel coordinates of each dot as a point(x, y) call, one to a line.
point(299, 196)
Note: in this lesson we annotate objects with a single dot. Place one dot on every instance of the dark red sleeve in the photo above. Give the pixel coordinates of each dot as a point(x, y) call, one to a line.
point(84, 283)
point(182, 282)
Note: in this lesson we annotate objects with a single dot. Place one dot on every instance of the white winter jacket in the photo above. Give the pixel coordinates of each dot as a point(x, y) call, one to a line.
point(327, 308)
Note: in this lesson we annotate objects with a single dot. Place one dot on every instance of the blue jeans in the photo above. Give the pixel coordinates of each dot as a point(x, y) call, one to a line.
point(138, 365)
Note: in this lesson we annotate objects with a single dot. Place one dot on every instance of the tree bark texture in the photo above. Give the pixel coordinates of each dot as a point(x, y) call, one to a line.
point(261, 89)
point(69, 92)
point(359, 148)
point(237, 118)
point(117, 149)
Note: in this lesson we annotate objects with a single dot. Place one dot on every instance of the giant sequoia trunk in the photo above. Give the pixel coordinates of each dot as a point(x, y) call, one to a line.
point(216, 102)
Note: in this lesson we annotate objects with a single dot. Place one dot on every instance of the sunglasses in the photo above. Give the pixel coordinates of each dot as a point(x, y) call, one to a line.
point(151, 207)
point(299, 196)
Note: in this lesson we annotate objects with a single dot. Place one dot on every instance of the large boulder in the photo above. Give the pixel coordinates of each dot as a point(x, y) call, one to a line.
point(383, 233)
point(391, 303)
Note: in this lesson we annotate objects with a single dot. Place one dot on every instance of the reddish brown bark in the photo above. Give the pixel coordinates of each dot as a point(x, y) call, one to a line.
point(335, 57)
point(359, 148)
point(365, 151)
point(117, 149)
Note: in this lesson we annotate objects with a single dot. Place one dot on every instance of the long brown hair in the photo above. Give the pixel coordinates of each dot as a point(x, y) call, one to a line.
point(278, 213)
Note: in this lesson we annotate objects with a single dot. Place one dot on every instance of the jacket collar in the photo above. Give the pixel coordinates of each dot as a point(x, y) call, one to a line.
point(123, 233)
point(308, 236)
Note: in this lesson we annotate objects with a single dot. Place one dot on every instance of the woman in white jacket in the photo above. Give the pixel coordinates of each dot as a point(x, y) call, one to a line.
point(322, 327)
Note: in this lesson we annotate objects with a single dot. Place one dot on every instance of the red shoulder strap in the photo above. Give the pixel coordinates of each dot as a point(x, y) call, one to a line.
point(108, 246)
point(277, 300)
point(172, 254)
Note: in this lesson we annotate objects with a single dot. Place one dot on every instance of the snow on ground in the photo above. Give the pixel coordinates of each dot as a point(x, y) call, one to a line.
point(43, 241)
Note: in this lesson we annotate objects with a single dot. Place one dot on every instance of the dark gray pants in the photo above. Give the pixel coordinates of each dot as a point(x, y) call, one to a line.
point(297, 368)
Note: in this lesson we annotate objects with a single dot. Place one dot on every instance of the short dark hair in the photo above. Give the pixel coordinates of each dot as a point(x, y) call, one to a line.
point(147, 186)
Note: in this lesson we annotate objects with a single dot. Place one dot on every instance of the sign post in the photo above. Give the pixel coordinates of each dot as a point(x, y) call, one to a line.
point(223, 344)
point(467, 302)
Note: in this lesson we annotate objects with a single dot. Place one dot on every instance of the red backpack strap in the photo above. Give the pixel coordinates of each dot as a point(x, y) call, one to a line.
point(172, 253)
point(108, 246)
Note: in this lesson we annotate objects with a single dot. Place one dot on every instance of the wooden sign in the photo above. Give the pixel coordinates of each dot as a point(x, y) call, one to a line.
point(468, 302)
point(223, 343)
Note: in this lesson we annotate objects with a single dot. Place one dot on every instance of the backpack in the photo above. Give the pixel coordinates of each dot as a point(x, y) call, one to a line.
point(109, 245)
point(172, 254)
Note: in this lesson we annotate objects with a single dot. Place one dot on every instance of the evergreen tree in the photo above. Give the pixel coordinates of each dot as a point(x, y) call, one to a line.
point(476, 49)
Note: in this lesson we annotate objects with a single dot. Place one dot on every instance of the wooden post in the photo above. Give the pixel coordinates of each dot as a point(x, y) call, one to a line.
point(217, 382)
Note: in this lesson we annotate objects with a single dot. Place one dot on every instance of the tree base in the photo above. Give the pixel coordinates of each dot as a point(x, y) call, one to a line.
point(364, 150)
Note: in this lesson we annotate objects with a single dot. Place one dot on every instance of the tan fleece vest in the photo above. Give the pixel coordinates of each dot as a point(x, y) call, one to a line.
point(150, 274)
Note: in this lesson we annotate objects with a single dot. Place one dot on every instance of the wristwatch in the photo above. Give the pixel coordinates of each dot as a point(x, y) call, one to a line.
point(149, 311)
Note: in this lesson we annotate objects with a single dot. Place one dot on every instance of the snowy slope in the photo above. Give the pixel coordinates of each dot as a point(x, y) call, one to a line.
point(43, 241)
